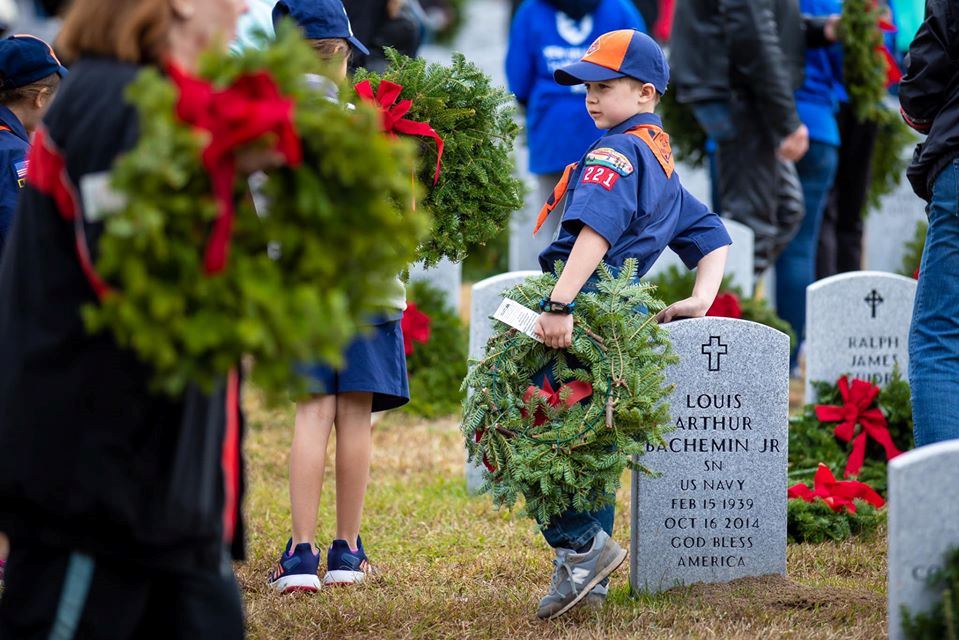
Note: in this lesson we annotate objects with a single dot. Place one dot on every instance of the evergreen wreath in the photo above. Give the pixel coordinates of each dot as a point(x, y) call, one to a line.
point(476, 192)
point(677, 284)
point(436, 367)
point(815, 522)
point(939, 623)
point(812, 441)
point(300, 278)
point(832, 510)
point(546, 445)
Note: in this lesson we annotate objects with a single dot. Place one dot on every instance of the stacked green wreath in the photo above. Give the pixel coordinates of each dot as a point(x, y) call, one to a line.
point(677, 284)
point(300, 279)
point(575, 456)
point(477, 190)
point(436, 367)
point(812, 441)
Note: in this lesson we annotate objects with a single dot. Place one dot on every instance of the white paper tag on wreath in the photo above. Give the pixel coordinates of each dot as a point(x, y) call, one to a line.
point(517, 316)
point(100, 199)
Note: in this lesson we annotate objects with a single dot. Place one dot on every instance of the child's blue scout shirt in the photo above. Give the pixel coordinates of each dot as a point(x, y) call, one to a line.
point(14, 144)
point(621, 190)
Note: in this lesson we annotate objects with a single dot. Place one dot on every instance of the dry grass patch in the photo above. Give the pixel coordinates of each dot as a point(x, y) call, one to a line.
point(454, 567)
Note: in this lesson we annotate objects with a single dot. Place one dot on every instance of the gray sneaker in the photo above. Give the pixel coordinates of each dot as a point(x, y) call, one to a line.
point(577, 574)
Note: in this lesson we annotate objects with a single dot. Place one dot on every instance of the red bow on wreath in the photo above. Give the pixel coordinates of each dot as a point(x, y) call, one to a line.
point(835, 493)
point(858, 410)
point(577, 391)
point(392, 113)
point(240, 114)
point(415, 325)
point(726, 305)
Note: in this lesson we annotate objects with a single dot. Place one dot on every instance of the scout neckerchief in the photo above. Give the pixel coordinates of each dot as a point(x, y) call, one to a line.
point(655, 138)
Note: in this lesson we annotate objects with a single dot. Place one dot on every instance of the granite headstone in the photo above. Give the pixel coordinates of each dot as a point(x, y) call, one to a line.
point(889, 227)
point(739, 263)
point(446, 276)
point(857, 323)
point(923, 525)
point(717, 512)
point(486, 298)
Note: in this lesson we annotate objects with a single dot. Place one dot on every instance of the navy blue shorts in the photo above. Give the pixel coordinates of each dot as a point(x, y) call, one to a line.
point(374, 362)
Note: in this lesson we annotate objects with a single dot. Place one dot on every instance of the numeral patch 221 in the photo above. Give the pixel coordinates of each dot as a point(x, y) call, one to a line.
point(603, 176)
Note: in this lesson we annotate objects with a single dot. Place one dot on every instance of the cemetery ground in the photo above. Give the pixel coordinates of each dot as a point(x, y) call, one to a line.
point(452, 566)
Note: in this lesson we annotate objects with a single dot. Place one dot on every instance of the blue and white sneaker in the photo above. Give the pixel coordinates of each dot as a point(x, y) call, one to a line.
point(296, 569)
point(345, 566)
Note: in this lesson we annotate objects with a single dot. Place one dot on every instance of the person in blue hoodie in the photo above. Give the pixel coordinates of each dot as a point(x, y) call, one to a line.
point(817, 102)
point(547, 35)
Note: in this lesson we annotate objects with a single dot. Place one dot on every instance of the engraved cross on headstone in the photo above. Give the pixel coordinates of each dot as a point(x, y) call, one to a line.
point(715, 347)
point(874, 300)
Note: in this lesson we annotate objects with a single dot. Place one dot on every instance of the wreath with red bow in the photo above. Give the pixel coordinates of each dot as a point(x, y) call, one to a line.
point(196, 275)
point(564, 440)
point(855, 428)
point(465, 132)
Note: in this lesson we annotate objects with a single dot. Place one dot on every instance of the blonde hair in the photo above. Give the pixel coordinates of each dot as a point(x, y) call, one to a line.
point(134, 31)
point(30, 91)
point(331, 48)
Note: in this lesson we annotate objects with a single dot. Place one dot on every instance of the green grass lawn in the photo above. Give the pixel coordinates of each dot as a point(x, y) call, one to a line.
point(452, 566)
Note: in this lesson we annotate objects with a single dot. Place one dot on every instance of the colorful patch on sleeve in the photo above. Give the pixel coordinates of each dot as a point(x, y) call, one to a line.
point(21, 169)
point(603, 176)
point(606, 157)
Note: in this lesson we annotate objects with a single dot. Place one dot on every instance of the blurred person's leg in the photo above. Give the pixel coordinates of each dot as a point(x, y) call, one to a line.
point(796, 266)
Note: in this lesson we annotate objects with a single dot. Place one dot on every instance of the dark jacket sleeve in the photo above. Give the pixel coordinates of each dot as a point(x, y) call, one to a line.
point(929, 66)
point(756, 56)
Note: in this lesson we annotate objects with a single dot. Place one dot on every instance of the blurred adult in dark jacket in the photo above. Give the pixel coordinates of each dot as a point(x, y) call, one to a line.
point(380, 24)
point(738, 64)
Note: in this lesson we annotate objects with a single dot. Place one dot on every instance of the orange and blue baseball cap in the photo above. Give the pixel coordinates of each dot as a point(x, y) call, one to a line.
point(26, 59)
point(319, 19)
point(619, 54)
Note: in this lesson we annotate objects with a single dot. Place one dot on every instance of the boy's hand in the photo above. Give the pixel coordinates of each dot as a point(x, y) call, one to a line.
point(692, 307)
point(556, 329)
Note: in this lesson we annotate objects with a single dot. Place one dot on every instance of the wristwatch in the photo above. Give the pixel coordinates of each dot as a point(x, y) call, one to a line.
point(551, 306)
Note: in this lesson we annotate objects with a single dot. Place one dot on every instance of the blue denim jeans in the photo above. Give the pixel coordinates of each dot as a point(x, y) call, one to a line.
point(934, 334)
point(796, 266)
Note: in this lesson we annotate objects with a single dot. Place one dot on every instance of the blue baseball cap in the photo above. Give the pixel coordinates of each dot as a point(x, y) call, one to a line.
point(24, 59)
point(618, 54)
point(319, 19)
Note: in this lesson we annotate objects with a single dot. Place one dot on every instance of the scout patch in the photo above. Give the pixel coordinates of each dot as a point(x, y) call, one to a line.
point(603, 176)
point(610, 158)
point(21, 169)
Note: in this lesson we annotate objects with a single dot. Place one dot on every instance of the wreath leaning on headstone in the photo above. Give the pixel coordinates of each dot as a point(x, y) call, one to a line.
point(566, 445)
point(855, 428)
point(466, 166)
point(194, 277)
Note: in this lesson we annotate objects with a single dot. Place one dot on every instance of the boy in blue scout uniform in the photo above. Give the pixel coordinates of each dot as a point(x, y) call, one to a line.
point(623, 200)
point(29, 77)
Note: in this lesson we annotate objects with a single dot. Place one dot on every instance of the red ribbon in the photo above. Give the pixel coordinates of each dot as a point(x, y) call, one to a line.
point(858, 410)
point(415, 325)
point(726, 305)
point(837, 494)
point(486, 462)
point(392, 112)
point(243, 112)
point(577, 391)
